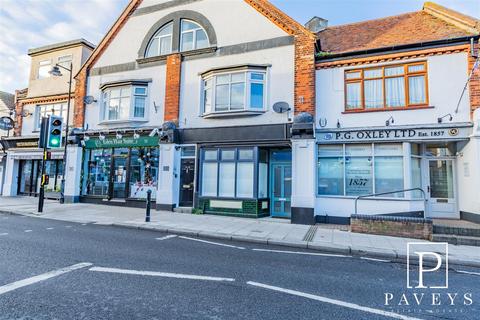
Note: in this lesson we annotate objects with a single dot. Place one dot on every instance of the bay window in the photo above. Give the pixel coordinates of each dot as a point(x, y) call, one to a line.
point(228, 173)
point(125, 103)
point(234, 92)
point(360, 169)
point(386, 87)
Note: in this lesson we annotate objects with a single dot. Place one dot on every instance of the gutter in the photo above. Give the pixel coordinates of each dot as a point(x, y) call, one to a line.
point(398, 48)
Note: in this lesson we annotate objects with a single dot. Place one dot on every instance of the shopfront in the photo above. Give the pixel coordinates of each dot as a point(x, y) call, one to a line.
point(120, 170)
point(385, 162)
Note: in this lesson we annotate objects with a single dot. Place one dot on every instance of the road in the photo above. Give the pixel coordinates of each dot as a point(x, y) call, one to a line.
point(60, 270)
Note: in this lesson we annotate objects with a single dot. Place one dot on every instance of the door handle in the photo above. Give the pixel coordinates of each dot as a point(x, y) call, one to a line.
point(428, 189)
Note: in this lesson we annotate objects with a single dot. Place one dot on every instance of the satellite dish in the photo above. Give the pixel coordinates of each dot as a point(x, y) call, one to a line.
point(89, 100)
point(281, 107)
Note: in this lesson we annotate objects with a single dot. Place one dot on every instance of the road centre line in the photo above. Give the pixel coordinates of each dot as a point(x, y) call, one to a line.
point(304, 253)
point(159, 274)
point(333, 301)
point(210, 242)
point(468, 272)
point(167, 237)
point(41, 277)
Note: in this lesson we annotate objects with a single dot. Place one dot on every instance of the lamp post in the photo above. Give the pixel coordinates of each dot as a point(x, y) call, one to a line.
point(56, 72)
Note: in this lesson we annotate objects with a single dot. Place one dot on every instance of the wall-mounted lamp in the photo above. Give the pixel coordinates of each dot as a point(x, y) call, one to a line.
point(118, 135)
point(338, 124)
point(389, 121)
point(101, 137)
point(135, 135)
point(450, 118)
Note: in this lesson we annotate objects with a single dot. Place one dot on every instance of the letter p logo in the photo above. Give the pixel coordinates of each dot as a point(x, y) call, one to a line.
point(431, 257)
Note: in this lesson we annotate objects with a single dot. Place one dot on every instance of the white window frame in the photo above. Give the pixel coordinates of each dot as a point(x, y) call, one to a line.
point(131, 105)
point(156, 36)
point(40, 65)
point(247, 91)
point(44, 110)
point(194, 31)
point(69, 59)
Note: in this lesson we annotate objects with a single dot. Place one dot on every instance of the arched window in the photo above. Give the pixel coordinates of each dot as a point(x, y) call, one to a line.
point(161, 42)
point(192, 36)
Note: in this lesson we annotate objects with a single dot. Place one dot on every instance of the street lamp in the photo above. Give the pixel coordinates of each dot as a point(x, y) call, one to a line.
point(56, 72)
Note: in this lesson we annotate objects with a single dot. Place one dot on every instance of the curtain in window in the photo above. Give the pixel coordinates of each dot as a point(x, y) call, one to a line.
point(354, 98)
point(226, 181)
point(245, 180)
point(209, 179)
point(395, 92)
point(416, 90)
point(373, 93)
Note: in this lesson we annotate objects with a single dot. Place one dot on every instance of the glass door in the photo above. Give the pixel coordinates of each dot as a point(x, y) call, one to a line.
point(441, 189)
point(119, 176)
point(281, 190)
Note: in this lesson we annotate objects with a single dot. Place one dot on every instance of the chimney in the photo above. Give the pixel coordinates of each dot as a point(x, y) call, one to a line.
point(316, 24)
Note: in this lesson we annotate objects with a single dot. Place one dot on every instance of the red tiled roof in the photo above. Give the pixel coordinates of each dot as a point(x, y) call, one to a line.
point(408, 28)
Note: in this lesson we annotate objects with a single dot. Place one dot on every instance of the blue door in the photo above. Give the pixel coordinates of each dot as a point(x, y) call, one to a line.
point(281, 189)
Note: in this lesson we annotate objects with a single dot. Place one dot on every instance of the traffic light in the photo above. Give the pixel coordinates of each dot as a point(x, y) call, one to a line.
point(55, 128)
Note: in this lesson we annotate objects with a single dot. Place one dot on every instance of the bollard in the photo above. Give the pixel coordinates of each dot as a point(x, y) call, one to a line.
point(149, 200)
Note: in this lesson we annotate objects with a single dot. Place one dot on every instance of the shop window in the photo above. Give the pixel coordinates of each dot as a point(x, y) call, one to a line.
point(262, 174)
point(45, 110)
point(143, 172)
point(233, 92)
point(98, 176)
point(386, 87)
point(125, 103)
point(360, 169)
point(228, 173)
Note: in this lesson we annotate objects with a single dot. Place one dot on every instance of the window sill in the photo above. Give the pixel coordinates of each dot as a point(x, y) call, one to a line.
point(108, 122)
point(163, 58)
point(232, 114)
point(388, 109)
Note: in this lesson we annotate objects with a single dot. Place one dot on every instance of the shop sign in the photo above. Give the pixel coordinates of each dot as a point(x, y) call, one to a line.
point(20, 143)
point(397, 134)
point(6, 123)
point(113, 142)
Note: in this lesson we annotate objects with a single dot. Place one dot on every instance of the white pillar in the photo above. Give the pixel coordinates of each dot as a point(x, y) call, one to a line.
point(303, 180)
point(168, 177)
point(73, 174)
point(11, 176)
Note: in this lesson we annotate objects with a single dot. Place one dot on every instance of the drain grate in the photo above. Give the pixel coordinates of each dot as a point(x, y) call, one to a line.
point(310, 233)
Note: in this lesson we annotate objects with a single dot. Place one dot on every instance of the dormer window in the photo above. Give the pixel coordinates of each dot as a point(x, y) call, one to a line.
point(161, 42)
point(193, 36)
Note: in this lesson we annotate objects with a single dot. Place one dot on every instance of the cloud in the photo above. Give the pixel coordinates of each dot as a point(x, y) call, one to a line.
point(26, 24)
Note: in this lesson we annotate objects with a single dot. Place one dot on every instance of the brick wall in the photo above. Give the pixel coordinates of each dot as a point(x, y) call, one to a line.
point(17, 131)
point(304, 75)
point(172, 87)
point(474, 81)
point(79, 105)
point(393, 226)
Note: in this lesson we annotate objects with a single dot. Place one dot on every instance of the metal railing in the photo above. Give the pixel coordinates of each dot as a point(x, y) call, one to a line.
point(393, 192)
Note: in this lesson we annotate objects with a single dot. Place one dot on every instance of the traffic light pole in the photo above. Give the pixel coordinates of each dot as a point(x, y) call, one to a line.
point(62, 191)
point(43, 137)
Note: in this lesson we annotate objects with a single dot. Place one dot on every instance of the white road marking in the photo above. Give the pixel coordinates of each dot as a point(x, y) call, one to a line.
point(159, 274)
point(50, 228)
point(42, 277)
point(210, 242)
point(28, 230)
point(333, 301)
point(373, 259)
point(166, 237)
point(3, 234)
point(468, 272)
point(304, 253)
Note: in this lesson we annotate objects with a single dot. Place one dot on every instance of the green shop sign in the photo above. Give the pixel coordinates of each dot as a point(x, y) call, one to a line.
point(113, 142)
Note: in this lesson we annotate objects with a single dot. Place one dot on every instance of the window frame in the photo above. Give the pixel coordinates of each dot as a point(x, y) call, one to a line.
point(69, 61)
point(194, 38)
point(247, 98)
point(156, 36)
point(42, 64)
point(41, 110)
point(105, 101)
point(406, 75)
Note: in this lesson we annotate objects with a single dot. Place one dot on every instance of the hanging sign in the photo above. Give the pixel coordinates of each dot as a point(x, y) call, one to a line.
point(124, 142)
point(6, 123)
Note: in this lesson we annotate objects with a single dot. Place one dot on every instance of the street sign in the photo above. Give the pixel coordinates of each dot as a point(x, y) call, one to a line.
point(6, 123)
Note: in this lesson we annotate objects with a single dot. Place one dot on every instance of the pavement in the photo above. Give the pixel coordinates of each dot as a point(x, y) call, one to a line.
point(269, 231)
point(51, 269)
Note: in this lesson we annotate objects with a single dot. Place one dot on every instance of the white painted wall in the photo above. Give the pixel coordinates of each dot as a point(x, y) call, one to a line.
point(168, 180)
point(73, 171)
point(156, 94)
point(303, 173)
point(279, 87)
point(468, 171)
point(11, 176)
point(228, 18)
point(447, 75)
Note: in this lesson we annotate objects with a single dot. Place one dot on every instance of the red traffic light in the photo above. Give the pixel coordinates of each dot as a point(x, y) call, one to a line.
point(57, 122)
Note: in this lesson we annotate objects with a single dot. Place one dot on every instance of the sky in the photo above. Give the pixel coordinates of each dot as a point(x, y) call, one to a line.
point(26, 24)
